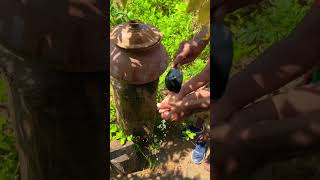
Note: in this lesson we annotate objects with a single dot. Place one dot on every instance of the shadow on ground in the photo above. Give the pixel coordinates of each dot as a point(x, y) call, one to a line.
point(173, 159)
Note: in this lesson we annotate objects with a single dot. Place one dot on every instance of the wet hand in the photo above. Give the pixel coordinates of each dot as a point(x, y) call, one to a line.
point(174, 111)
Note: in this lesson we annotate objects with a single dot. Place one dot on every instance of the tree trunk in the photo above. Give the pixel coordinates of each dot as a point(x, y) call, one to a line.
point(58, 118)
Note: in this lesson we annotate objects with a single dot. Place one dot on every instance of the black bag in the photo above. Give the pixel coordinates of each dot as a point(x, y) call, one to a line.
point(174, 80)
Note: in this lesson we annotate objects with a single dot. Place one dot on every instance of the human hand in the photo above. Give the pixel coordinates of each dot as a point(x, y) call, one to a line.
point(188, 51)
point(165, 106)
point(174, 109)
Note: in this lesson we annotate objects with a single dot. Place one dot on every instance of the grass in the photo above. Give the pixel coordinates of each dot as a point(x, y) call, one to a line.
point(266, 24)
point(8, 153)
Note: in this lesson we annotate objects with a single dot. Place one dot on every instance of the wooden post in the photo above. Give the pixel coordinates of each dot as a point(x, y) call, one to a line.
point(136, 106)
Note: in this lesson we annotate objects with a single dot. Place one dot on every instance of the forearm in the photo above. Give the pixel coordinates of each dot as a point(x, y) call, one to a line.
point(277, 66)
point(200, 39)
point(201, 104)
point(196, 82)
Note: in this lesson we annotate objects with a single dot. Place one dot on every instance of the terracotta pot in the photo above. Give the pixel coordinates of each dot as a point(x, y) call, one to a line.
point(136, 53)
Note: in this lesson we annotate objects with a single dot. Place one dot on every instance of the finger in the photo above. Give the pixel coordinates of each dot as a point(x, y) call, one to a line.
point(180, 48)
point(165, 115)
point(176, 65)
point(166, 92)
point(163, 106)
point(184, 51)
point(177, 62)
point(163, 110)
point(174, 116)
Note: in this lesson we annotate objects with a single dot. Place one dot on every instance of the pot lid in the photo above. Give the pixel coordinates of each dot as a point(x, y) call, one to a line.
point(135, 35)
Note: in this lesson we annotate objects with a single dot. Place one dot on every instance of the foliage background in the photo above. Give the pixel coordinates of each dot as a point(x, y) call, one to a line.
point(8, 155)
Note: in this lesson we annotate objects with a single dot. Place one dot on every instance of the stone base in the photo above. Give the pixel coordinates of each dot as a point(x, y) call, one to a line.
point(123, 157)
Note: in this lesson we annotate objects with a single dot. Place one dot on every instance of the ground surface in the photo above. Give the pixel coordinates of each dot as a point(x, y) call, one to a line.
point(174, 160)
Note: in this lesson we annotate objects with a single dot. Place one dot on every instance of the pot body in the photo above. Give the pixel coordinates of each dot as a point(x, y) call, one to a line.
point(138, 66)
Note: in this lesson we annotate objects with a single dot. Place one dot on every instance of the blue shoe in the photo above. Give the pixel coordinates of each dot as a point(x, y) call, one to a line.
point(199, 153)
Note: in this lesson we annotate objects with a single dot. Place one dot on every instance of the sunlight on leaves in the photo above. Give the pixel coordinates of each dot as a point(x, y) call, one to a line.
point(122, 3)
point(202, 9)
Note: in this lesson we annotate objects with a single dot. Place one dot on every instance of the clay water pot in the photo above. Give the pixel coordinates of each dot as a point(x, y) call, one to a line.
point(137, 60)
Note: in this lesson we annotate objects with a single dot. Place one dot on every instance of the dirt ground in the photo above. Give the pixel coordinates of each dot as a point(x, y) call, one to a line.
point(174, 160)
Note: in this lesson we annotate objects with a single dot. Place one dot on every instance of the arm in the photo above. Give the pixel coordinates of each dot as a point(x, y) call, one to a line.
point(279, 65)
point(200, 38)
point(196, 82)
point(193, 102)
point(201, 104)
point(190, 50)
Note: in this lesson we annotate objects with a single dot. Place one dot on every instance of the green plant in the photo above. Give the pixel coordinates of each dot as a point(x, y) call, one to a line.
point(187, 135)
point(117, 15)
point(117, 133)
point(9, 167)
point(8, 154)
point(260, 28)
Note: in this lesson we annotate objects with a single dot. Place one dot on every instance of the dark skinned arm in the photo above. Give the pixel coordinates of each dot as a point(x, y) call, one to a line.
point(196, 82)
point(278, 65)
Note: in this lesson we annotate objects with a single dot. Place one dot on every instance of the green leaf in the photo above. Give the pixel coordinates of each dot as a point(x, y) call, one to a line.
point(130, 15)
point(123, 140)
point(192, 135)
point(113, 128)
point(122, 3)
point(118, 135)
point(184, 133)
point(130, 138)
